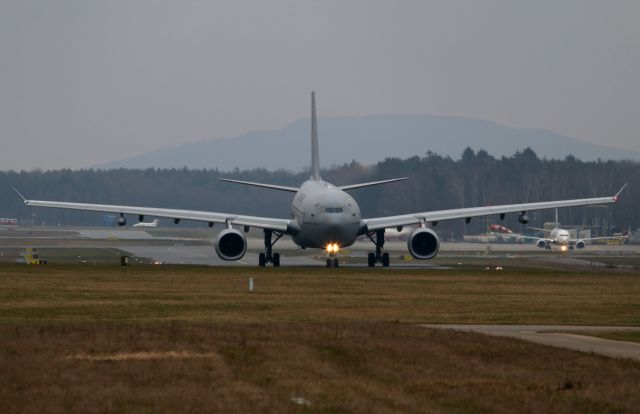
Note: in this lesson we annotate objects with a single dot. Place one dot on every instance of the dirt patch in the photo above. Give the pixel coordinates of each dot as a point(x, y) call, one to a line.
point(126, 356)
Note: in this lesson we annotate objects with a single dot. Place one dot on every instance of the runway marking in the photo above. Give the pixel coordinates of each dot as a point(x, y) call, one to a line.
point(570, 337)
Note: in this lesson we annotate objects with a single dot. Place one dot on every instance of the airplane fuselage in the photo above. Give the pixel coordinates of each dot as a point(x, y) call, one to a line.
point(560, 237)
point(325, 215)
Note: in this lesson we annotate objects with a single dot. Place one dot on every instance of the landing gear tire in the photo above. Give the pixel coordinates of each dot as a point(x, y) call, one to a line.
point(371, 259)
point(268, 256)
point(336, 262)
point(385, 259)
point(328, 262)
point(378, 256)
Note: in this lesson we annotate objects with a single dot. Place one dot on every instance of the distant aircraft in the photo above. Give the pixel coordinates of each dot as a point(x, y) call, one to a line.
point(562, 239)
point(496, 233)
point(323, 216)
point(8, 222)
point(498, 228)
point(154, 223)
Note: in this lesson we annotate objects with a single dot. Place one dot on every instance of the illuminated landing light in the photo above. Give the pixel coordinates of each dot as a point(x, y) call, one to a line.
point(332, 248)
point(563, 248)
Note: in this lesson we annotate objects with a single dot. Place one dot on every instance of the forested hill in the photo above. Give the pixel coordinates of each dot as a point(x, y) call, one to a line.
point(368, 139)
point(434, 183)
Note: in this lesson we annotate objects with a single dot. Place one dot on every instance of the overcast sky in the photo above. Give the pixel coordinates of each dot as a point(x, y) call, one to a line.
point(84, 82)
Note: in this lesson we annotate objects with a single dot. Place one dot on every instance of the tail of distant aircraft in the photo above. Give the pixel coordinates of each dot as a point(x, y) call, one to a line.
point(315, 157)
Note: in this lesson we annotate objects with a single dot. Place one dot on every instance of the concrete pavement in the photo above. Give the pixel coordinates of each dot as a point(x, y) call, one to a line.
point(562, 336)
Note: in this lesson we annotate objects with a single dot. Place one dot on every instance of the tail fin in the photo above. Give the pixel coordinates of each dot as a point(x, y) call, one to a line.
point(315, 159)
point(557, 224)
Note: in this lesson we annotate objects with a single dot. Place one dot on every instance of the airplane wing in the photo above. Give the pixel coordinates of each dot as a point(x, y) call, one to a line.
point(378, 223)
point(538, 228)
point(599, 238)
point(281, 225)
point(537, 238)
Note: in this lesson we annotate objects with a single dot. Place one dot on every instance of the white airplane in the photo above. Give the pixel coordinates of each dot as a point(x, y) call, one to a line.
point(561, 238)
point(323, 216)
point(153, 224)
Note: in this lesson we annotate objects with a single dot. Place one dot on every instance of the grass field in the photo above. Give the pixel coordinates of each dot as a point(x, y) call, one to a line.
point(193, 339)
point(79, 294)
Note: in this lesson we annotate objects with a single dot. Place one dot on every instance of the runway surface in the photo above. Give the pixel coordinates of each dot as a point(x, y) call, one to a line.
point(206, 255)
point(562, 336)
point(178, 245)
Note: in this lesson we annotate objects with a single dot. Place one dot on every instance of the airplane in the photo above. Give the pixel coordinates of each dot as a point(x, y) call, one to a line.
point(323, 216)
point(562, 239)
point(154, 223)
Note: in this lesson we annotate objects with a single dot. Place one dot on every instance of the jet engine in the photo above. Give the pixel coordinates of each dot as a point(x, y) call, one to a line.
point(423, 243)
point(121, 221)
point(523, 218)
point(580, 244)
point(541, 244)
point(230, 244)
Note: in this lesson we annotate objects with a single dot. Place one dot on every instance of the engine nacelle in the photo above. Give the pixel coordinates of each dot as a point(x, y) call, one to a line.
point(523, 218)
point(230, 244)
point(541, 244)
point(121, 221)
point(580, 244)
point(423, 243)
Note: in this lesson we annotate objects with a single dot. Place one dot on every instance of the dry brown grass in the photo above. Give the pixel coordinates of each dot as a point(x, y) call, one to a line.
point(192, 339)
point(358, 367)
point(145, 294)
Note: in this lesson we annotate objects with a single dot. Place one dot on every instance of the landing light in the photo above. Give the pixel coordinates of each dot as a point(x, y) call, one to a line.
point(563, 248)
point(332, 248)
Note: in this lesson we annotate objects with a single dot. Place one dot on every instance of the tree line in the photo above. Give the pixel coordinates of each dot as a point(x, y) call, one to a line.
point(434, 183)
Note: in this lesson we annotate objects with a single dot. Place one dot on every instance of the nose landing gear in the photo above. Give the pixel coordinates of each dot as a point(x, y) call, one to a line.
point(268, 256)
point(332, 260)
point(378, 256)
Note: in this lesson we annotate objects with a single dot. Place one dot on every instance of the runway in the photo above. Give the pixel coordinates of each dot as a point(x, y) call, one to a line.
point(205, 255)
point(562, 336)
point(178, 245)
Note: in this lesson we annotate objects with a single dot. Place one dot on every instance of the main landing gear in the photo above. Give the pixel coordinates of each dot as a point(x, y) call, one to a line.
point(378, 256)
point(268, 256)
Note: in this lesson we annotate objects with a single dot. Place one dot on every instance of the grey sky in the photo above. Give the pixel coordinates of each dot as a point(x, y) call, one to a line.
point(84, 82)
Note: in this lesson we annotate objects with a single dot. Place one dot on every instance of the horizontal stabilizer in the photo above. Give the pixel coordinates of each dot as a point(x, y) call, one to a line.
point(271, 186)
point(372, 183)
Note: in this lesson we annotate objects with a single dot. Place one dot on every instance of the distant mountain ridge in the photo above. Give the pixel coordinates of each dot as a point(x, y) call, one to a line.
point(368, 139)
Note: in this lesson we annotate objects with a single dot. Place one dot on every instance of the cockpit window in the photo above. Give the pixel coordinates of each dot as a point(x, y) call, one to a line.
point(333, 210)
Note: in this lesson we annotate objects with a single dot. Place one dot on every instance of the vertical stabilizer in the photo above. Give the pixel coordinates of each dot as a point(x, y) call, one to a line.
point(315, 159)
point(557, 224)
